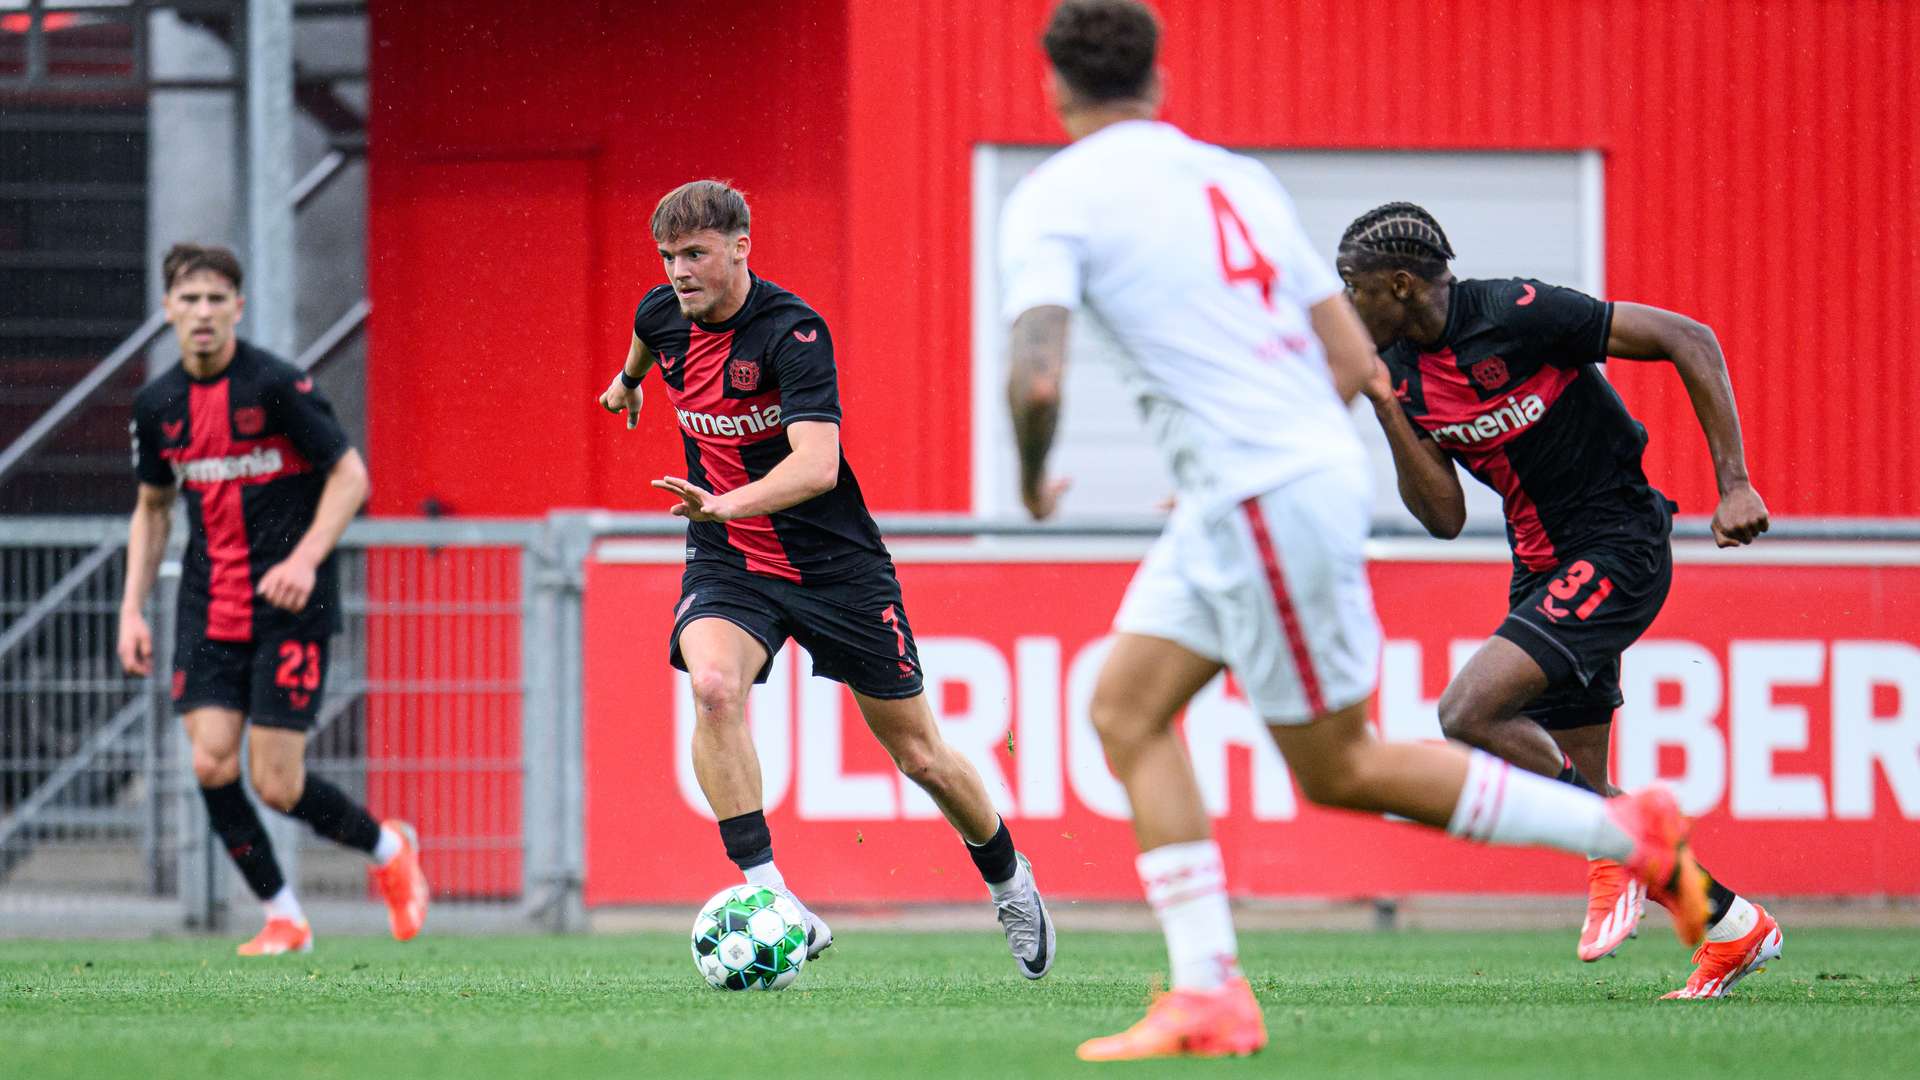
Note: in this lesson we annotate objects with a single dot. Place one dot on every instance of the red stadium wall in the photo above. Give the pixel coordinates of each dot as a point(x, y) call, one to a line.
point(1761, 165)
point(516, 155)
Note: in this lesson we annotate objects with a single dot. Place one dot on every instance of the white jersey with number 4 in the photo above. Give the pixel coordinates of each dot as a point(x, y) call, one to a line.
point(1195, 259)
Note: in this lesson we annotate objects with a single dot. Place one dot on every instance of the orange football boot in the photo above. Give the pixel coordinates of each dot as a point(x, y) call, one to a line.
point(1720, 965)
point(403, 885)
point(1661, 858)
point(1188, 1023)
point(1615, 902)
point(280, 936)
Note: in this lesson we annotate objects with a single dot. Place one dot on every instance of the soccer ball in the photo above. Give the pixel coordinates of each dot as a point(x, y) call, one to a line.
point(749, 938)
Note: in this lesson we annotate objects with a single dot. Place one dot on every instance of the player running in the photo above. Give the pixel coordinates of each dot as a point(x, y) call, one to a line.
point(270, 484)
point(1500, 376)
point(1241, 350)
point(780, 544)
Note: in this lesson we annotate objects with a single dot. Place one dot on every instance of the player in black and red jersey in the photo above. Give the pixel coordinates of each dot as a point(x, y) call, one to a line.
point(780, 544)
point(1501, 376)
point(270, 483)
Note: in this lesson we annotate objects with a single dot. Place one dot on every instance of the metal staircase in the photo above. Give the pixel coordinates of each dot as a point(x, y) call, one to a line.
point(84, 751)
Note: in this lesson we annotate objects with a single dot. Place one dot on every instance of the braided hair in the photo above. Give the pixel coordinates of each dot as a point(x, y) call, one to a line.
point(1398, 236)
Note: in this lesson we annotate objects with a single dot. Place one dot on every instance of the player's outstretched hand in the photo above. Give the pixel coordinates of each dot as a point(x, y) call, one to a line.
point(136, 644)
point(696, 503)
point(289, 584)
point(1740, 518)
point(1042, 503)
point(618, 399)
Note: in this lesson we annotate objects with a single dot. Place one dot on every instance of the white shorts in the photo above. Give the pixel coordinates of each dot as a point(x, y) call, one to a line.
point(1276, 589)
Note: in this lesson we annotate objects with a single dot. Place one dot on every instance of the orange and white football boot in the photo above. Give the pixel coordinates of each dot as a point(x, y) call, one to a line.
point(278, 937)
point(1720, 965)
point(1188, 1023)
point(1615, 902)
point(1661, 859)
point(403, 886)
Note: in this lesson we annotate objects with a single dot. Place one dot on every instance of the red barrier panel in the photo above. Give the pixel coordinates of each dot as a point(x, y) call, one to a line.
point(1782, 702)
point(443, 710)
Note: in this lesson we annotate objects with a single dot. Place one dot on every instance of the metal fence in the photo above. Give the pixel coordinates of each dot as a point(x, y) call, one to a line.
point(454, 701)
point(444, 707)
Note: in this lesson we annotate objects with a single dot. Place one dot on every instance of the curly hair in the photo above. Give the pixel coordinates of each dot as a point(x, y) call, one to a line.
point(1103, 49)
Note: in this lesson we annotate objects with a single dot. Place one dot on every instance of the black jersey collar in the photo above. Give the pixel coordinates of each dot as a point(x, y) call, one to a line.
point(239, 349)
point(733, 321)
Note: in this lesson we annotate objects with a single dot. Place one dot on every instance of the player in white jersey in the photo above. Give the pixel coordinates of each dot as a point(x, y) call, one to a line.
point(1242, 352)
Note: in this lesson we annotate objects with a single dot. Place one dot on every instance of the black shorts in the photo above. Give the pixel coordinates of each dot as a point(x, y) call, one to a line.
point(275, 680)
point(855, 630)
point(1577, 618)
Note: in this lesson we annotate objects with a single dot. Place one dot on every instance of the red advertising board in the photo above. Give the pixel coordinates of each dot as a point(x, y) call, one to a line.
point(1781, 700)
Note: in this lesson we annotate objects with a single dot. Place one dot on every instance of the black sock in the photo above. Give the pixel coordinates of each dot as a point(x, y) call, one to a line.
point(749, 842)
point(238, 826)
point(332, 815)
point(995, 857)
point(1571, 775)
point(1719, 898)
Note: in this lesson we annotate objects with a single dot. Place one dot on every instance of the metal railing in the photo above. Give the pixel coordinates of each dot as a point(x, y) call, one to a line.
point(440, 708)
point(454, 699)
point(64, 411)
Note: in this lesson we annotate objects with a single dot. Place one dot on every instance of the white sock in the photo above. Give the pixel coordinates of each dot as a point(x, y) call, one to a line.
point(284, 905)
point(388, 847)
point(1187, 886)
point(766, 875)
point(1504, 805)
point(1738, 921)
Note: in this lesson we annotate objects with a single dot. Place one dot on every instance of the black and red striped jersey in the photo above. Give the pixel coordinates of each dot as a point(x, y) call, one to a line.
point(250, 450)
point(1512, 391)
point(734, 387)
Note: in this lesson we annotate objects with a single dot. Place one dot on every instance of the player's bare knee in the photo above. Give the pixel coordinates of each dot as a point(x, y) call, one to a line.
point(920, 763)
point(1119, 725)
point(718, 695)
point(278, 788)
point(213, 769)
point(1462, 719)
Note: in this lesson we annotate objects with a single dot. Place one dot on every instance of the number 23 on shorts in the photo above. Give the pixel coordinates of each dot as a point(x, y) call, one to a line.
point(1568, 586)
point(299, 666)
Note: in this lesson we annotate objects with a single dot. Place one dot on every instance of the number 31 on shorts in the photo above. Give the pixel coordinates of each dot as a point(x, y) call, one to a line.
point(1568, 586)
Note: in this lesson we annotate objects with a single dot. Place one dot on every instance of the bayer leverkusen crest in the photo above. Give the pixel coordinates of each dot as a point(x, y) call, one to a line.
point(1490, 373)
point(743, 374)
point(249, 420)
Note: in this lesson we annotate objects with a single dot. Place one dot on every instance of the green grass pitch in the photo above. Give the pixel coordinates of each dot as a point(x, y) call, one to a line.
point(1425, 1005)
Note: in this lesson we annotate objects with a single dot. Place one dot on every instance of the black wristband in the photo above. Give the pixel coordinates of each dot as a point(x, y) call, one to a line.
point(627, 380)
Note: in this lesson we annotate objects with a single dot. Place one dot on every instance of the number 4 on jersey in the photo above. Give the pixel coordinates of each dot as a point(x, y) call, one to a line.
point(1257, 269)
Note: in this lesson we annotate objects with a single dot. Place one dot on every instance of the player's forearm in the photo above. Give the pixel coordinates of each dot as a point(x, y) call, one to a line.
point(1037, 361)
point(786, 485)
point(146, 542)
point(1350, 352)
point(342, 497)
point(1703, 371)
point(1428, 487)
point(1033, 427)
